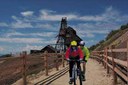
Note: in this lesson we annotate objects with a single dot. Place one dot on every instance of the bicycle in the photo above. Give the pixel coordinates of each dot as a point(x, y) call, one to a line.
point(76, 72)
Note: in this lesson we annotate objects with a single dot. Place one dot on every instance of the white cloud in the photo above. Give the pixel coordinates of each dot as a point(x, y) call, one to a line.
point(109, 17)
point(97, 31)
point(50, 41)
point(44, 26)
point(49, 15)
point(16, 18)
point(21, 40)
point(89, 41)
point(90, 35)
point(21, 25)
point(91, 18)
point(30, 47)
point(90, 31)
point(41, 34)
point(3, 24)
point(29, 40)
point(14, 34)
point(1, 49)
point(27, 13)
point(84, 34)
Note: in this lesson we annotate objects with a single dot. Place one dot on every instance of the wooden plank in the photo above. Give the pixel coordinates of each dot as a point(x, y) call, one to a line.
point(118, 50)
point(110, 66)
point(121, 74)
point(7, 58)
point(120, 62)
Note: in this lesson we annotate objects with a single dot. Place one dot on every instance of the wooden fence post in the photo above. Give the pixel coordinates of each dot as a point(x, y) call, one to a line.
point(127, 61)
point(98, 57)
point(56, 63)
point(107, 60)
point(24, 55)
point(113, 64)
point(63, 59)
point(46, 63)
point(102, 59)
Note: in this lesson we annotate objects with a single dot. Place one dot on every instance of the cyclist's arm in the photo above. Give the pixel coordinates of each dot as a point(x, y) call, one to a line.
point(87, 54)
point(67, 53)
point(81, 54)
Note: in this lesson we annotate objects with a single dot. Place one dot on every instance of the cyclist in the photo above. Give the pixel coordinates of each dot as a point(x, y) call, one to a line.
point(86, 56)
point(73, 52)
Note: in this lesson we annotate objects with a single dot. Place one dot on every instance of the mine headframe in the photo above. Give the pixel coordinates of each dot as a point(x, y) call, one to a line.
point(60, 44)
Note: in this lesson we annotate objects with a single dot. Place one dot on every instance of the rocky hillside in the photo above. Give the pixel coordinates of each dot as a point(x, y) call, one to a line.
point(113, 38)
point(118, 38)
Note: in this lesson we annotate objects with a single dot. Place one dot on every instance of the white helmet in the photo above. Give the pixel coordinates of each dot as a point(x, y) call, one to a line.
point(82, 43)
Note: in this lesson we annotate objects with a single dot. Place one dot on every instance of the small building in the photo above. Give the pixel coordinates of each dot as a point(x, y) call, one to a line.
point(34, 51)
point(49, 49)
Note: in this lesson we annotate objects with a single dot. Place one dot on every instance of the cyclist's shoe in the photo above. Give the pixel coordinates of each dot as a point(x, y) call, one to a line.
point(83, 78)
point(71, 80)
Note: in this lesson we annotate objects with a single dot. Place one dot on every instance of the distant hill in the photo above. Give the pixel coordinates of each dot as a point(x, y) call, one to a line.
point(111, 38)
point(5, 55)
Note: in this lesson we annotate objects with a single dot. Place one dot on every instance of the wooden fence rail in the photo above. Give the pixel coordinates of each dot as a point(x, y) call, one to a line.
point(110, 62)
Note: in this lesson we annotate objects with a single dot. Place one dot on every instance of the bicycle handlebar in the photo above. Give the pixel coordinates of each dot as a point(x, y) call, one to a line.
point(75, 60)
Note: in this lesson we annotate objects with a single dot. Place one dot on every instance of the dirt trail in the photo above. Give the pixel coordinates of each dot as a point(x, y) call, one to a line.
point(95, 75)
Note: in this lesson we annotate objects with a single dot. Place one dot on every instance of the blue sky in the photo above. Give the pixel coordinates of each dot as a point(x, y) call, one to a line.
point(33, 24)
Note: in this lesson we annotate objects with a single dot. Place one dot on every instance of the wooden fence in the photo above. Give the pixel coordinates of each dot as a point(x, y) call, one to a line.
point(25, 65)
point(108, 59)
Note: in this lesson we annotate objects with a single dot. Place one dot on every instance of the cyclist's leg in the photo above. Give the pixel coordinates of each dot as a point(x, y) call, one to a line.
point(78, 64)
point(84, 70)
point(70, 68)
point(71, 63)
point(84, 65)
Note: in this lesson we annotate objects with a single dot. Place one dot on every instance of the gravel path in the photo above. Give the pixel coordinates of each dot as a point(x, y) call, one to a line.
point(95, 75)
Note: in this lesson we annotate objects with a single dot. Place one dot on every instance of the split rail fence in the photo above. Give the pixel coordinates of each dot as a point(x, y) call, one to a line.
point(108, 58)
point(14, 68)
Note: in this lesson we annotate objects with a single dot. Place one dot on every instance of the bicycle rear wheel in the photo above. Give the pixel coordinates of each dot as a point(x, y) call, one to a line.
point(80, 77)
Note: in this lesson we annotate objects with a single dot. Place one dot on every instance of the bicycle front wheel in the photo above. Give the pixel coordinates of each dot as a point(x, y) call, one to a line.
point(74, 80)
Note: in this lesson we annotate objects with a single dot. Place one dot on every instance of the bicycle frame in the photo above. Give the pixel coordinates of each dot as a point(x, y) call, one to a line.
point(76, 72)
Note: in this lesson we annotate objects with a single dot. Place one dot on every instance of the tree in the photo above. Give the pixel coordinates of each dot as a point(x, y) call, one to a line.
point(123, 27)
